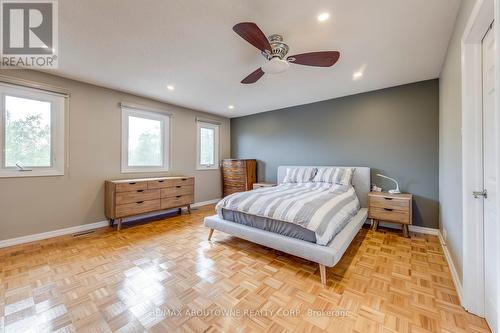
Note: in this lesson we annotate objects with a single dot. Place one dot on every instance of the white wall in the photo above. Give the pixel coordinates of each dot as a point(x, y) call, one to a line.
point(450, 150)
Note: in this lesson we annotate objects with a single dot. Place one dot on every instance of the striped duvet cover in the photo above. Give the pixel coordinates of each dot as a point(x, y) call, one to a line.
point(322, 208)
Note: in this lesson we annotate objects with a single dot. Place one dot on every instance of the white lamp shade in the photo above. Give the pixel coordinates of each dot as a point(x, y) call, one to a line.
point(275, 66)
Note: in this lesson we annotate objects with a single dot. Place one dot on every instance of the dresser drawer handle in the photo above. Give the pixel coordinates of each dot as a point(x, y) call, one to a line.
point(388, 198)
point(160, 181)
point(132, 183)
point(184, 179)
point(178, 186)
point(178, 196)
point(139, 202)
point(140, 191)
point(388, 209)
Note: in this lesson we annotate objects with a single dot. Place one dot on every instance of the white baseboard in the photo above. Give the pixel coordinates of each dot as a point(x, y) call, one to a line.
point(451, 264)
point(412, 228)
point(77, 229)
point(53, 233)
point(204, 203)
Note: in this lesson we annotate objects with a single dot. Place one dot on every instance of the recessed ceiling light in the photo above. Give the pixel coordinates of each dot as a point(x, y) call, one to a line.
point(170, 87)
point(230, 107)
point(357, 75)
point(323, 17)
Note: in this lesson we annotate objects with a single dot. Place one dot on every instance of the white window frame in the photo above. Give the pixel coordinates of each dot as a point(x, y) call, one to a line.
point(57, 127)
point(165, 120)
point(216, 127)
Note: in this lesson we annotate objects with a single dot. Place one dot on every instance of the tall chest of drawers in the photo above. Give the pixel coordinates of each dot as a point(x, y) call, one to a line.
point(238, 175)
point(129, 197)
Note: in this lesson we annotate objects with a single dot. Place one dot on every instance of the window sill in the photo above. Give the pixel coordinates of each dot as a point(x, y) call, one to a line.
point(207, 169)
point(144, 170)
point(33, 173)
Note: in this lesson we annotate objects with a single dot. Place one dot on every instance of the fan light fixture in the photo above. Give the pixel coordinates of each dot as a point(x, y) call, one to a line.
point(230, 107)
point(275, 50)
point(170, 87)
point(275, 66)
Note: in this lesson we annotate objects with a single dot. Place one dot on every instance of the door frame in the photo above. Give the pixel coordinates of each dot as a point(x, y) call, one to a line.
point(484, 12)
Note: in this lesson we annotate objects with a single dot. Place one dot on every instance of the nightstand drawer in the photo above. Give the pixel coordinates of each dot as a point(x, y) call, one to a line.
point(391, 215)
point(391, 203)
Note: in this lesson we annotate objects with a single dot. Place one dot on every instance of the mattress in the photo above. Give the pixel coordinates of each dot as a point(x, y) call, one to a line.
point(319, 207)
point(269, 224)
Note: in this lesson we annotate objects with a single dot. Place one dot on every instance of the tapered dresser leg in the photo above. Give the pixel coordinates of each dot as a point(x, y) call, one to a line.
point(322, 272)
point(406, 230)
point(375, 225)
point(210, 233)
point(119, 226)
point(111, 222)
point(189, 209)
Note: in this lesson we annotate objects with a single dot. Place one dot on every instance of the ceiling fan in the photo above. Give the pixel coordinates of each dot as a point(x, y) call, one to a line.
point(275, 50)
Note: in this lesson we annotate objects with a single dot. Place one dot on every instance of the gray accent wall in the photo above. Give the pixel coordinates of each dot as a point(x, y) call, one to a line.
point(394, 131)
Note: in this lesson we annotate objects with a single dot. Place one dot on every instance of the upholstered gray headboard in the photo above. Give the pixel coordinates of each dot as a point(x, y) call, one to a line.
point(360, 179)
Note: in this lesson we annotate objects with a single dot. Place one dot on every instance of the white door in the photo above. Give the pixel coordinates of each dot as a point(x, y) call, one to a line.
point(490, 151)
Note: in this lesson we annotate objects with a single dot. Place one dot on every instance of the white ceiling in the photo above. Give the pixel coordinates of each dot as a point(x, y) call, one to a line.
point(142, 46)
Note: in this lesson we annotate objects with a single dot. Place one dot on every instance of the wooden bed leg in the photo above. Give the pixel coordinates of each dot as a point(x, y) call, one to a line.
point(322, 271)
point(210, 233)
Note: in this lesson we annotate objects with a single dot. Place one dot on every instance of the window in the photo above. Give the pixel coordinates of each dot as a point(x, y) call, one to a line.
point(207, 146)
point(32, 132)
point(145, 140)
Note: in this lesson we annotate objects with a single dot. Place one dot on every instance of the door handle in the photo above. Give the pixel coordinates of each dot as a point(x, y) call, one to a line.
point(478, 194)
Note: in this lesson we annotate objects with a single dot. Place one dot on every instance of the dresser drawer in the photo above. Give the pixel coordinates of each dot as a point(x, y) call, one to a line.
point(234, 174)
point(137, 208)
point(386, 214)
point(160, 183)
point(233, 164)
point(240, 179)
point(163, 183)
point(177, 201)
point(132, 186)
point(391, 203)
point(182, 181)
point(177, 190)
point(233, 189)
point(240, 186)
point(136, 196)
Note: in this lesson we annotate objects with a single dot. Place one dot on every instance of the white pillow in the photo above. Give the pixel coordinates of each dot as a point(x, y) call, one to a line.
point(341, 176)
point(299, 175)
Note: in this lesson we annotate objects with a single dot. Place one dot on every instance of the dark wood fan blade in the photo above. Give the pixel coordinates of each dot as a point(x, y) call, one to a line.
point(318, 59)
point(250, 32)
point(252, 78)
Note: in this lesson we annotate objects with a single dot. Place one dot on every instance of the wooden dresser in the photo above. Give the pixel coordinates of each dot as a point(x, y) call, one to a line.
point(238, 175)
point(129, 197)
point(395, 208)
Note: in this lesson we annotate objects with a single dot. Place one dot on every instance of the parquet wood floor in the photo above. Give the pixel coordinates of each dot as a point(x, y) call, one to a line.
point(165, 276)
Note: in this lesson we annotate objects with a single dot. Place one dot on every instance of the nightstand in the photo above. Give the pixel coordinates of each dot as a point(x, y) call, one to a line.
point(261, 185)
point(394, 208)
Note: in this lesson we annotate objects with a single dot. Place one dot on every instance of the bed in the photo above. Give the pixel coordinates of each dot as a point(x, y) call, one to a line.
point(294, 238)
